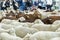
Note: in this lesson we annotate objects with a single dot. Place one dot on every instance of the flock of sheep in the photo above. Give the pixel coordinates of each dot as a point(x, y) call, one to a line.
point(14, 30)
point(37, 30)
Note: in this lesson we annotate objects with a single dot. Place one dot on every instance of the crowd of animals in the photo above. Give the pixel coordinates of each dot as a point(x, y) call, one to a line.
point(28, 17)
point(25, 26)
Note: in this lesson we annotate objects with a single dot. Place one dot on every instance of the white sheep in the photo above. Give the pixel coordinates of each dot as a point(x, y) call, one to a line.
point(26, 24)
point(6, 36)
point(11, 31)
point(12, 22)
point(22, 31)
point(29, 24)
point(41, 27)
point(56, 38)
point(38, 21)
point(42, 35)
point(45, 27)
point(1, 29)
point(56, 22)
point(19, 24)
point(58, 30)
point(19, 29)
point(7, 28)
point(54, 27)
point(6, 21)
point(15, 23)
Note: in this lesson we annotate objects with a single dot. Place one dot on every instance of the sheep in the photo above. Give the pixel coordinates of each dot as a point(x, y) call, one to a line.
point(58, 30)
point(12, 22)
point(6, 36)
point(6, 21)
point(45, 27)
point(26, 24)
point(7, 28)
point(56, 38)
point(23, 24)
point(29, 24)
point(12, 32)
point(56, 22)
point(1, 29)
point(54, 27)
point(42, 27)
point(22, 31)
point(38, 21)
point(15, 23)
point(18, 29)
point(42, 35)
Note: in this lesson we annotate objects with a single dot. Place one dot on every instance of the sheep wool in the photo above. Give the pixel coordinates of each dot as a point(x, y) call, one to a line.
point(58, 30)
point(22, 31)
point(38, 21)
point(44, 35)
point(6, 36)
point(6, 21)
point(41, 27)
point(56, 22)
point(1, 29)
point(56, 38)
